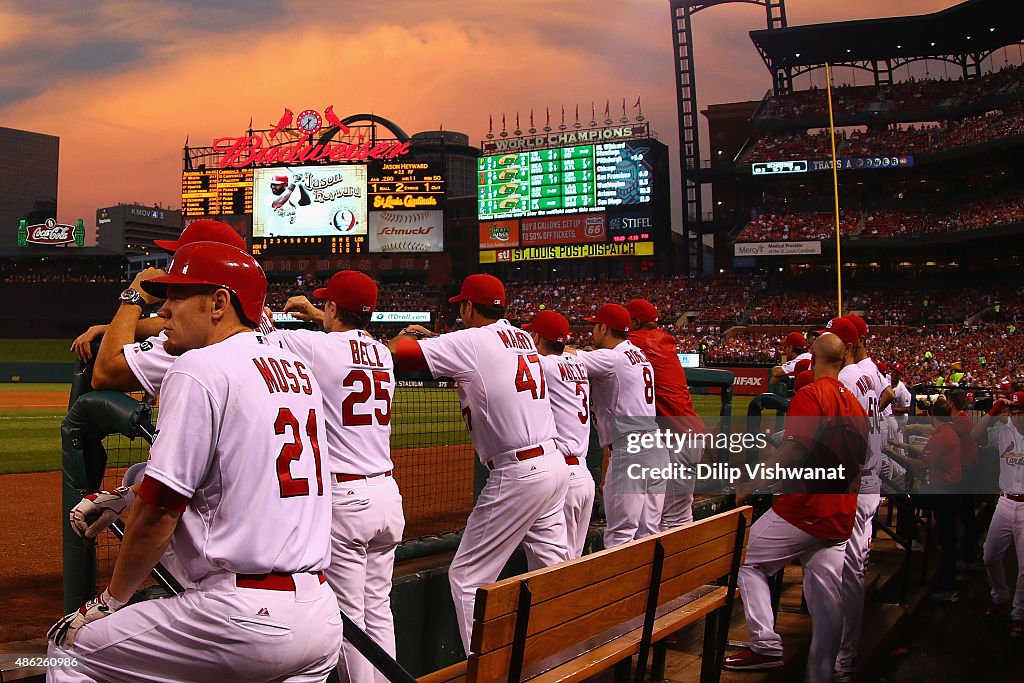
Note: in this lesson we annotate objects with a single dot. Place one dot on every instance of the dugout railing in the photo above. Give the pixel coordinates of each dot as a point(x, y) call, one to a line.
point(436, 468)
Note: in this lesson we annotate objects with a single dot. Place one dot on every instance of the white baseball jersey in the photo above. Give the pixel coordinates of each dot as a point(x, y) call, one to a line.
point(623, 382)
point(502, 385)
point(901, 400)
point(358, 379)
point(149, 362)
point(569, 388)
point(864, 380)
point(1010, 444)
point(789, 367)
point(242, 435)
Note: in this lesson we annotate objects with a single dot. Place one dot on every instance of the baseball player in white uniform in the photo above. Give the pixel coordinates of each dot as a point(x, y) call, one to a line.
point(1007, 526)
point(235, 487)
point(122, 364)
point(623, 384)
point(863, 379)
point(569, 389)
point(358, 377)
point(794, 350)
point(504, 396)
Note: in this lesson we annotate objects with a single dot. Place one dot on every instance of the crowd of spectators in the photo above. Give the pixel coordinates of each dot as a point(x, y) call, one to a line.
point(892, 141)
point(813, 225)
point(912, 95)
point(393, 296)
point(61, 270)
point(720, 298)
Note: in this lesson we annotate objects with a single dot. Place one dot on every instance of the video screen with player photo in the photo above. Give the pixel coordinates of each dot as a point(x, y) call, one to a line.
point(309, 202)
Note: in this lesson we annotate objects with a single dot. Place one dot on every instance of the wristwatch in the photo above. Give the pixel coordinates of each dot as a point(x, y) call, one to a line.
point(131, 296)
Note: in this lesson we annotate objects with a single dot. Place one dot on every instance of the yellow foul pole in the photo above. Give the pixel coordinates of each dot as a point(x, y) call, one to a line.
point(835, 189)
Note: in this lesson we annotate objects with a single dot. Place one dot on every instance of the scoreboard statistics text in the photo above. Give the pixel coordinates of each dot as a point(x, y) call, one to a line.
point(216, 192)
point(563, 180)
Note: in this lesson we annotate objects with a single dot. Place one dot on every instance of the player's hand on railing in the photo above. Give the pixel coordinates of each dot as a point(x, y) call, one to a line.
point(418, 331)
point(97, 511)
point(64, 632)
point(82, 346)
point(147, 274)
point(303, 309)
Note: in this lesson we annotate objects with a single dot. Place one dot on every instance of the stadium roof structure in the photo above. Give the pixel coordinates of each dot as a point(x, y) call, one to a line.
point(964, 34)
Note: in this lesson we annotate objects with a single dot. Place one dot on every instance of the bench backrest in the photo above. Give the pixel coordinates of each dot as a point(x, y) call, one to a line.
point(587, 599)
point(702, 553)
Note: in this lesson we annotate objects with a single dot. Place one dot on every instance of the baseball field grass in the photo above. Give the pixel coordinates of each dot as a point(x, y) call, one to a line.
point(421, 417)
point(36, 350)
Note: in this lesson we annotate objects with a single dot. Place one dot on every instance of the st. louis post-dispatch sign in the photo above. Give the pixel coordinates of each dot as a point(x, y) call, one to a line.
point(601, 250)
point(777, 248)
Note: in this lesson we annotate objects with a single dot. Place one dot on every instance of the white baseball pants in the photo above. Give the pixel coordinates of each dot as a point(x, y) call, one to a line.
point(854, 566)
point(1007, 528)
point(366, 528)
point(633, 501)
point(212, 633)
point(579, 504)
point(678, 509)
point(774, 543)
point(522, 502)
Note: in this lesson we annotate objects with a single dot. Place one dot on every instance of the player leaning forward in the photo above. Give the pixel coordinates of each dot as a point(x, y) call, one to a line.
point(235, 486)
point(622, 379)
point(569, 390)
point(504, 399)
point(358, 378)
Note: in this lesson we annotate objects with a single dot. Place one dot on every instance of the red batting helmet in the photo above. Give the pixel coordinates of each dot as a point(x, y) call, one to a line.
point(220, 265)
point(204, 230)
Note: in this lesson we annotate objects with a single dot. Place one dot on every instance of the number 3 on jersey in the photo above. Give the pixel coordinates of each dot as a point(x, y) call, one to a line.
point(296, 486)
point(524, 377)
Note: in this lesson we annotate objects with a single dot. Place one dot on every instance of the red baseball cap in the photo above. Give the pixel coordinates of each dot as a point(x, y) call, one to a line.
point(204, 230)
point(858, 323)
point(351, 290)
point(1016, 400)
point(897, 368)
point(842, 328)
point(614, 316)
point(481, 288)
point(549, 325)
point(801, 365)
point(804, 378)
point(883, 367)
point(796, 340)
point(279, 179)
point(642, 310)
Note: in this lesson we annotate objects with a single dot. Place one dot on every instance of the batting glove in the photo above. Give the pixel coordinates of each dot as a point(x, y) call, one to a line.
point(64, 632)
point(96, 511)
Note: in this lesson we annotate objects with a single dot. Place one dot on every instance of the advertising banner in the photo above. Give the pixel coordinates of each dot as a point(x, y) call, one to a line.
point(602, 250)
point(575, 229)
point(786, 248)
point(406, 231)
point(748, 381)
point(499, 234)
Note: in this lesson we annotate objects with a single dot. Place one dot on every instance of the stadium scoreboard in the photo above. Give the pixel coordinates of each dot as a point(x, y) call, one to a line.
point(405, 185)
point(562, 180)
point(216, 192)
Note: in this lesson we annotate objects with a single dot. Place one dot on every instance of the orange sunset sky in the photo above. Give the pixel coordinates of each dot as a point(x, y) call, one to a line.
point(123, 83)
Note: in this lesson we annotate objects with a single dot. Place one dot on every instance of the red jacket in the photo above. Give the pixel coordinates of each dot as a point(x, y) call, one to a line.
point(671, 392)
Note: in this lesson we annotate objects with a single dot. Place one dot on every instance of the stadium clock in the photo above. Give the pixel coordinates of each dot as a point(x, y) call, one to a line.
point(309, 121)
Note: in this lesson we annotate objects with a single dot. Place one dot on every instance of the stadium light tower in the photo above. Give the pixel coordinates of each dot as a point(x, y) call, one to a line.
point(686, 102)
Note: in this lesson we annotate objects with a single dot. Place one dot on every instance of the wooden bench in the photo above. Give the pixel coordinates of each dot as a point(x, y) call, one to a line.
point(572, 621)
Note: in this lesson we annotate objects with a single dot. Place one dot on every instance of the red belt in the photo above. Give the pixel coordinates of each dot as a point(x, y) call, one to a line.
point(1014, 497)
point(274, 581)
point(572, 460)
point(353, 477)
point(524, 454)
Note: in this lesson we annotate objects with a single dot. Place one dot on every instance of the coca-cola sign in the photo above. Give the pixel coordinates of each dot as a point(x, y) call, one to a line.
point(50, 233)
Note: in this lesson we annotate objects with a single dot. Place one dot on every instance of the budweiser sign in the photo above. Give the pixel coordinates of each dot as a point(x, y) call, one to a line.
point(239, 152)
point(50, 233)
